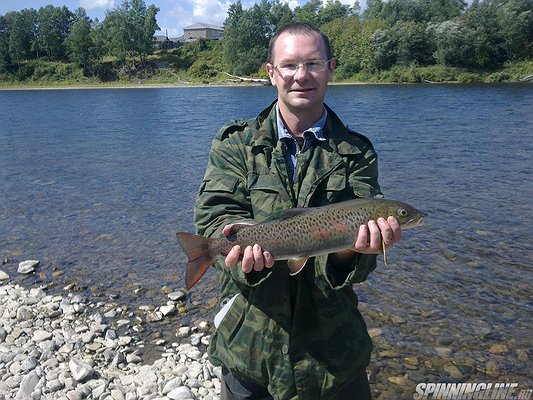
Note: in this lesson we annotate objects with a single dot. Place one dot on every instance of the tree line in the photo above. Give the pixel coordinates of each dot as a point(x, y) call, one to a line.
point(481, 36)
point(57, 34)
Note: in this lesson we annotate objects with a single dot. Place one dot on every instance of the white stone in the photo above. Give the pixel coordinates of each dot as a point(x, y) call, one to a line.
point(181, 393)
point(27, 267)
point(4, 276)
point(183, 331)
point(80, 369)
point(167, 310)
point(171, 385)
point(40, 336)
point(27, 385)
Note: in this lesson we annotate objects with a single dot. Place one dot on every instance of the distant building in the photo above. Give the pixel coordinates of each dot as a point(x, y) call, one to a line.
point(202, 31)
point(166, 43)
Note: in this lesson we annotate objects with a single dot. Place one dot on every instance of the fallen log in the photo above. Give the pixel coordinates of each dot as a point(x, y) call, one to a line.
point(245, 79)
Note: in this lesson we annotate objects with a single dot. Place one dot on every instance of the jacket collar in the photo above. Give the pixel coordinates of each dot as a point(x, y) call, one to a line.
point(336, 133)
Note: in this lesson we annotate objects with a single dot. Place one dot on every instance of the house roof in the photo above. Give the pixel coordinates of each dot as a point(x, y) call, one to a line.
point(203, 26)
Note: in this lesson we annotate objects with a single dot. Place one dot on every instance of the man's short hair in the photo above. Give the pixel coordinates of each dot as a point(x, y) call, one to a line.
point(299, 27)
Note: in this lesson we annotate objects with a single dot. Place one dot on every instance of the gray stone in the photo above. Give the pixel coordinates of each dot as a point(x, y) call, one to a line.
point(80, 369)
point(29, 363)
point(27, 267)
point(167, 310)
point(181, 393)
point(172, 385)
point(24, 313)
point(41, 336)
point(177, 296)
point(28, 385)
point(4, 276)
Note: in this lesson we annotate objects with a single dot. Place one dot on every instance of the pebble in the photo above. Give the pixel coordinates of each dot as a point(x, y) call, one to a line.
point(4, 276)
point(28, 266)
point(64, 347)
point(498, 348)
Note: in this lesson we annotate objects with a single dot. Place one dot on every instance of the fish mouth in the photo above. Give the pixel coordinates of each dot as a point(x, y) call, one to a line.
point(415, 221)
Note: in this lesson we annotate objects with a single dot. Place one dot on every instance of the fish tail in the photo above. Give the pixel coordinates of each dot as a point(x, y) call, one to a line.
point(197, 250)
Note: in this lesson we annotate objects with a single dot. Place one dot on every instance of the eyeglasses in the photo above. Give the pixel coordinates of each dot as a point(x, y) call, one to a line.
point(289, 69)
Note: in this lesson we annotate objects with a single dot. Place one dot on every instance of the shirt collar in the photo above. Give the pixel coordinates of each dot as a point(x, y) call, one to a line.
point(316, 131)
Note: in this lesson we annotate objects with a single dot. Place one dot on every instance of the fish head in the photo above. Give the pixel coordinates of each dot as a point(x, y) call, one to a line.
point(406, 215)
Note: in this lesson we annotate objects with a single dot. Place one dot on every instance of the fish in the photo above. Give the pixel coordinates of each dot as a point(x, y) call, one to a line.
point(298, 234)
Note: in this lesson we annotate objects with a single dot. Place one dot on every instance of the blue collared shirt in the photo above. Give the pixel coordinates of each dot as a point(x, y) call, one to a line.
point(311, 135)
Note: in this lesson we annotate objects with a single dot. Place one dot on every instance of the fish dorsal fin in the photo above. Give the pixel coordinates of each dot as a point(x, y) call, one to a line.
point(237, 227)
point(293, 212)
point(296, 264)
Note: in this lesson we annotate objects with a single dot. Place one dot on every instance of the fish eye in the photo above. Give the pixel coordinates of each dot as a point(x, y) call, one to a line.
point(402, 212)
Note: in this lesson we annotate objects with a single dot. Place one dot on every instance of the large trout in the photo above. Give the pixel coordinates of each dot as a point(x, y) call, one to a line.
point(300, 233)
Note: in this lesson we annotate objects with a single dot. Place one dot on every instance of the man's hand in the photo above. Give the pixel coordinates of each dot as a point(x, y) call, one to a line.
point(254, 258)
point(370, 236)
point(369, 239)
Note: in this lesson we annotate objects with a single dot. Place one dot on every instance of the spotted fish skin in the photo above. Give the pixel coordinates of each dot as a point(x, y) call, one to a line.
point(300, 233)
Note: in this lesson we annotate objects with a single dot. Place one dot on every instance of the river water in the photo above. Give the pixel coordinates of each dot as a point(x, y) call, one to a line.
point(94, 184)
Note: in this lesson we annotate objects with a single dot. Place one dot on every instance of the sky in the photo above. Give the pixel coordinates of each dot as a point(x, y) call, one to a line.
point(172, 17)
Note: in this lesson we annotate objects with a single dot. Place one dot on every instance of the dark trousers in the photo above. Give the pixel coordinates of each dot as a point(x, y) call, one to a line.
point(234, 389)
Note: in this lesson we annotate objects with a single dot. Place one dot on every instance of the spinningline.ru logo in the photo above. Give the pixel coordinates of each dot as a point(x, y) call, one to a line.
point(474, 391)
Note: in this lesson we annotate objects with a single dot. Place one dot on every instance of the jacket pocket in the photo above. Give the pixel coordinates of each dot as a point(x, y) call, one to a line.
point(220, 183)
point(335, 186)
point(363, 190)
point(266, 196)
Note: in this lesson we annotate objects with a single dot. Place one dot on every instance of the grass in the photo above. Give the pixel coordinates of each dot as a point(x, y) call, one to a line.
point(162, 70)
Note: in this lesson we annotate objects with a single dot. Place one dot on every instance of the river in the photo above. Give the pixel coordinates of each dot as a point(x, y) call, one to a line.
point(94, 184)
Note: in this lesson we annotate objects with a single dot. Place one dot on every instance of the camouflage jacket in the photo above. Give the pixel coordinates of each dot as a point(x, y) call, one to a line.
point(301, 336)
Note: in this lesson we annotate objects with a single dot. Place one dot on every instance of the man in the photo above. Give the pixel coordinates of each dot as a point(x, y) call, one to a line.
point(281, 336)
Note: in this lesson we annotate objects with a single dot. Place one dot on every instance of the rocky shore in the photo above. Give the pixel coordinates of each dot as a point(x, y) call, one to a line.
point(67, 347)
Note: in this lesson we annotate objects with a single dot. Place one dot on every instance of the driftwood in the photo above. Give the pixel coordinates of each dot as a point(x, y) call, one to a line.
point(528, 78)
point(244, 79)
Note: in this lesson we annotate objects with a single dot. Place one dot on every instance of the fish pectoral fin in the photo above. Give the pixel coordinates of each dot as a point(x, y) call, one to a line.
point(296, 264)
point(384, 246)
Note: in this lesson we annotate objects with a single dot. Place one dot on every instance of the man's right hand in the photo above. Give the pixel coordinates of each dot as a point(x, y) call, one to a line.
point(253, 257)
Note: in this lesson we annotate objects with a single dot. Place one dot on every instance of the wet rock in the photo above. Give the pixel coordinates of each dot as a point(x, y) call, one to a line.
point(498, 348)
point(27, 267)
point(443, 351)
point(167, 310)
point(373, 332)
point(177, 296)
point(453, 371)
point(4, 276)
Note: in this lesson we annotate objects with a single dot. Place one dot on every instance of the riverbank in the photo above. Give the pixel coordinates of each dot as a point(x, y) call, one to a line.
point(521, 71)
point(69, 347)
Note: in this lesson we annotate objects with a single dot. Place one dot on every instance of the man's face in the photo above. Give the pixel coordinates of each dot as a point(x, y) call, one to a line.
point(305, 91)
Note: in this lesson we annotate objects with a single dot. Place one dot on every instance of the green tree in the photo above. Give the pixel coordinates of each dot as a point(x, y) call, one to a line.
point(333, 10)
point(280, 15)
point(483, 31)
point(6, 22)
point(309, 12)
point(129, 30)
point(455, 44)
point(373, 9)
point(79, 41)
point(54, 27)
point(246, 36)
point(516, 28)
point(22, 40)
point(444, 10)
